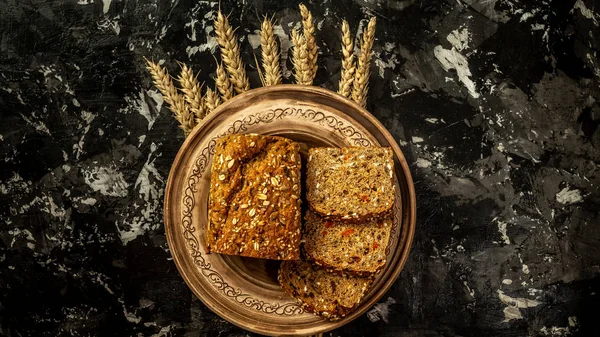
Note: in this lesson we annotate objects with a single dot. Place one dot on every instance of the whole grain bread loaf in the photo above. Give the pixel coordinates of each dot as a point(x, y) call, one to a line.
point(356, 248)
point(254, 203)
point(350, 183)
point(321, 292)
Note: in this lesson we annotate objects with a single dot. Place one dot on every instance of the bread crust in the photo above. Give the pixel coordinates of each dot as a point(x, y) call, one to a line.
point(308, 299)
point(254, 202)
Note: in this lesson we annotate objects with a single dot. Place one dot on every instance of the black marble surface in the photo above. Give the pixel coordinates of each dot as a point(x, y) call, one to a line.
point(494, 102)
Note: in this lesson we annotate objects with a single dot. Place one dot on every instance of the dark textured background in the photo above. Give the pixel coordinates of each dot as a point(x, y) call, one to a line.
point(494, 102)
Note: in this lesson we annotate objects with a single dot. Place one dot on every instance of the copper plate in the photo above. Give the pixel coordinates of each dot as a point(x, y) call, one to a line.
point(245, 291)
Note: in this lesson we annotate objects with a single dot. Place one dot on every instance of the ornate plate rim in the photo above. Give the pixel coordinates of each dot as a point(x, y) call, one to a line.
point(408, 218)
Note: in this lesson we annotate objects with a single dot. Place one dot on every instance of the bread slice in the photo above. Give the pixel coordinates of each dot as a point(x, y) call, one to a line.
point(254, 203)
point(350, 183)
point(356, 248)
point(321, 292)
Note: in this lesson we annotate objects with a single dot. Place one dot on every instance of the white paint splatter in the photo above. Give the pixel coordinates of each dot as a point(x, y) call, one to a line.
point(423, 163)
point(15, 183)
point(211, 42)
point(106, 5)
point(87, 117)
point(502, 230)
point(52, 208)
point(192, 25)
point(381, 311)
point(586, 12)
point(285, 44)
point(254, 39)
point(514, 304)
point(150, 185)
point(389, 64)
point(106, 180)
point(507, 281)
point(471, 291)
point(555, 331)
point(459, 38)
point(38, 125)
point(452, 59)
point(526, 16)
point(110, 24)
point(140, 105)
point(88, 201)
point(24, 233)
point(568, 197)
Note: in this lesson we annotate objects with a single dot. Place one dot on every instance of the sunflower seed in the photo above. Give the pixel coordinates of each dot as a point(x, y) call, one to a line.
point(252, 212)
point(222, 177)
point(243, 206)
point(274, 181)
point(261, 196)
point(230, 163)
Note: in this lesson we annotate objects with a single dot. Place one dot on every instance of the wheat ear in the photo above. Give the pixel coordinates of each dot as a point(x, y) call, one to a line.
point(309, 34)
point(198, 118)
point(300, 59)
point(270, 54)
point(223, 83)
point(192, 91)
point(230, 53)
point(212, 100)
point(176, 102)
point(360, 86)
point(348, 65)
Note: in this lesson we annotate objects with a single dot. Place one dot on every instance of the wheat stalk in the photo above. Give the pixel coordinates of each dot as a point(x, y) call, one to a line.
point(348, 65)
point(176, 102)
point(223, 83)
point(212, 100)
point(300, 59)
point(270, 54)
point(230, 53)
point(360, 86)
point(309, 34)
point(192, 90)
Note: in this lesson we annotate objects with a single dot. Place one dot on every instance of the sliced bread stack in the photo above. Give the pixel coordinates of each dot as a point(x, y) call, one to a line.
point(346, 231)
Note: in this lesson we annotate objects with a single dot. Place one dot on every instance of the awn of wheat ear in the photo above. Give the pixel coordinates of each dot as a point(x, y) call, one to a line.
point(162, 81)
point(360, 87)
point(270, 54)
point(300, 59)
point(230, 54)
point(348, 65)
point(311, 46)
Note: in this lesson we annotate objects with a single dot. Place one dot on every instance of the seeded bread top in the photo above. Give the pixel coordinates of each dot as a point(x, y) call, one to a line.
point(350, 182)
point(254, 203)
